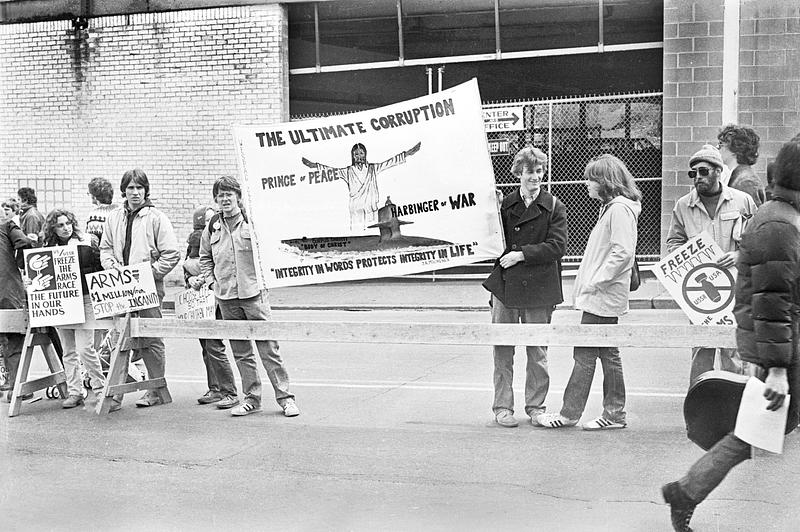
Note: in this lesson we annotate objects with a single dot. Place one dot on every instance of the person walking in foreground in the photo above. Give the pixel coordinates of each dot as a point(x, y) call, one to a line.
point(61, 229)
point(767, 324)
point(602, 289)
point(227, 265)
point(526, 281)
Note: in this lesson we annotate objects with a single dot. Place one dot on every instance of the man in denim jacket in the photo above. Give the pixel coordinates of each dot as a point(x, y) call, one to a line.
point(721, 211)
point(226, 264)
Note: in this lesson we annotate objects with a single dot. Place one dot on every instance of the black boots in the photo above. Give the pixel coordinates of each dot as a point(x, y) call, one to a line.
point(681, 506)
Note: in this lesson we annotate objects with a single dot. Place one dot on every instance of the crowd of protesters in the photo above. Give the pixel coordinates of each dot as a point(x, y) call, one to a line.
point(756, 228)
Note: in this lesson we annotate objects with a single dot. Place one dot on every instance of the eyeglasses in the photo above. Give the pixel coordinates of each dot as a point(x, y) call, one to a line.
point(703, 171)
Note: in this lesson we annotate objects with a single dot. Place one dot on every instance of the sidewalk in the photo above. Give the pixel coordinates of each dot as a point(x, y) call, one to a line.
point(389, 294)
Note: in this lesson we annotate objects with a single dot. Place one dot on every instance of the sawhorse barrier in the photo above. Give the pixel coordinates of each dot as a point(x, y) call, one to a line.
point(484, 334)
point(118, 380)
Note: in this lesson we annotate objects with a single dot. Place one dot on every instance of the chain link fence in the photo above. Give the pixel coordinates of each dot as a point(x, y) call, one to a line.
point(572, 131)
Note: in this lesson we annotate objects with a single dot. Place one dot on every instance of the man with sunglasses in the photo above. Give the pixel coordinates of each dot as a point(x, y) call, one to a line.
point(721, 211)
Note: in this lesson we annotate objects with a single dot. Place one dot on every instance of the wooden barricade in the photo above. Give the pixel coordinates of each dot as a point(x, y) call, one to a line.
point(118, 381)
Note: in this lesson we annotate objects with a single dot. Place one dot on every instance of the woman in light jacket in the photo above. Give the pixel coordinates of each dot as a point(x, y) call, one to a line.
point(602, 288)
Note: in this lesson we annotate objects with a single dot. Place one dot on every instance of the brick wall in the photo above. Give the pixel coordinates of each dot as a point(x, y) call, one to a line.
point(769, 82)
point(156, 91)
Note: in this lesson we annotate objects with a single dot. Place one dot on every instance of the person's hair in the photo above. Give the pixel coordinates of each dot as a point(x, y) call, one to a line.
point(353, 151)
point(528, 158)
point(228, 183)
point(50, 236)
point(742, 141)
point(787, 165)
point(13, 204)
point(102, 190)
point(138, 177)
point(613, 177)
point(28, 195)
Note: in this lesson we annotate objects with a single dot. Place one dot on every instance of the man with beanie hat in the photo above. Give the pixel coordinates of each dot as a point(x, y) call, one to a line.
point(767, 325)
point(721, 211)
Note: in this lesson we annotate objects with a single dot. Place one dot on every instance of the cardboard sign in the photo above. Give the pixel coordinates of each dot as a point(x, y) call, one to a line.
point(396, 190)
point(120, 291)
point(194, 304)
point(54, 295)
point(702, 289)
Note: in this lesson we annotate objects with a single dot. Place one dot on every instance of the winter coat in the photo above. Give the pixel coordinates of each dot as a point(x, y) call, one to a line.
point(539, 231)
point(12, 242)
point(602, 284)
point(152, 241)
point(745, 179)
point(767, 305)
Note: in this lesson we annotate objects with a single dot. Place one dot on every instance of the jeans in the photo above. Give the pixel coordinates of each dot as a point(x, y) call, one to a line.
point(79, 344)
point(707, 473)
point(12, 350)
point(150, 350)
point(537, 378)
point(703, 360)
point(219, 374)
point(580, 382)
point(256, 308)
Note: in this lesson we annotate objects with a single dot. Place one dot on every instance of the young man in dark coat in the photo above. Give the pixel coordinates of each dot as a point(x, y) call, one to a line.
point(526, 281)
point(767, 318)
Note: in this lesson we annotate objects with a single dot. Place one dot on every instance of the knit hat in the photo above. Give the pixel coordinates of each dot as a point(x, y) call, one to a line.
point(709, 154)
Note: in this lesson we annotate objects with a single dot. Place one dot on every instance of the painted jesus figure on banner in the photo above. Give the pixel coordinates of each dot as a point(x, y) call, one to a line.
point(361, 179)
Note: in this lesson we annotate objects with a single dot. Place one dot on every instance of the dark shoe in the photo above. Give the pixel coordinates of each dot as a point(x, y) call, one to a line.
point(72, 401)
point(229, 401)
point(505, 418)
point(148, 399)
point(116, 403)
point(25, 397)
point(681, 507)
point(210, 397)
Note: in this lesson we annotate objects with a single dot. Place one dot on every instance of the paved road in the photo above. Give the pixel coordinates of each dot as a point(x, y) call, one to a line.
point(390, 438)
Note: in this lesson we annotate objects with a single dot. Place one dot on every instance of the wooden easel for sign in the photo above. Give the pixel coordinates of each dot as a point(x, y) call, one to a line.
point(118, 381)
point(37, 336)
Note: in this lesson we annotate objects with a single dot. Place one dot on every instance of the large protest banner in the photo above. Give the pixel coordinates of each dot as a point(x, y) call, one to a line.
point(395, 190)
point(702, 289)
point(54, 294)
point(128, 289)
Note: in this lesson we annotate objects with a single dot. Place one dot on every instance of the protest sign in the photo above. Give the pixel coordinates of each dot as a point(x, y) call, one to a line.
point(702, 289)
point(128, 289)
point(395, 190)
point(194, 304)
point(54, 295)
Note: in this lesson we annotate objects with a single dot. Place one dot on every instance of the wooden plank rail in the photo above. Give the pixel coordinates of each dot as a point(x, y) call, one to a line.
point(623, 335)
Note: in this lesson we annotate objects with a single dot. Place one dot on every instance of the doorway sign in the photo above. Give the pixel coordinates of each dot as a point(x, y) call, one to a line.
point(503, 119)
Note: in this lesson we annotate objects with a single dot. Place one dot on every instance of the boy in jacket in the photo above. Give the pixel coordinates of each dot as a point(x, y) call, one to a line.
point(227, 265)
point(138, 232)
point(526, 281)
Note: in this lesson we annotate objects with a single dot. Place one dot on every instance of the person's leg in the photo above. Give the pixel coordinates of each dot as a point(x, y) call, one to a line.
point(709, 471)
point(613, 381)
point(220, 365)
point(580, 381)
point(702, 361)
point(537, 377)
point(243, 353)
point(72, 369)
point(84, 343)
point(211, 378)
point(12, 353)
point(151, 351)
point(257, 308)
point(503, 361)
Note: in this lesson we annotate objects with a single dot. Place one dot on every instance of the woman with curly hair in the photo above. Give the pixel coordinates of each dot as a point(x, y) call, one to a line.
point(738, 146)
point(61, 229)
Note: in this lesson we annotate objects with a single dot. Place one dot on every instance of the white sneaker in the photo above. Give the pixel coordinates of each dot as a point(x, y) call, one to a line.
point(555, 421)
point(290, 408)
point(602, 423)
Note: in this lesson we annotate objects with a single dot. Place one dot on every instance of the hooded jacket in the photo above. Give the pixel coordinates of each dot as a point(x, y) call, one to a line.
point(767, 305)
point(602, 284)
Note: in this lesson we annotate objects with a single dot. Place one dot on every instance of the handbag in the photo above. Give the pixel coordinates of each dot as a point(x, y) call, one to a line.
point(636, 280)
